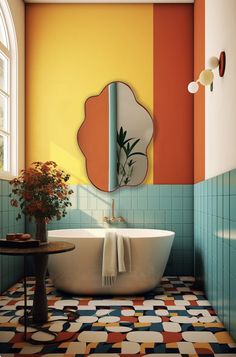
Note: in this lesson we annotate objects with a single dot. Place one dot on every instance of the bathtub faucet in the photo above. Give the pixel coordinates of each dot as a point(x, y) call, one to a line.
point(113, 219)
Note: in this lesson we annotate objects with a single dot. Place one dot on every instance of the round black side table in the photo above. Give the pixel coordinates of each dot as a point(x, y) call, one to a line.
point(40, 256)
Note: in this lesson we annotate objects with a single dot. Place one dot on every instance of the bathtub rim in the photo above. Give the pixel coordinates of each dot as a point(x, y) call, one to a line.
point(80, 233)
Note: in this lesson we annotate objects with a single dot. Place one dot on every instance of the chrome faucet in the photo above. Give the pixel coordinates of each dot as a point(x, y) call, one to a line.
point(113, 219)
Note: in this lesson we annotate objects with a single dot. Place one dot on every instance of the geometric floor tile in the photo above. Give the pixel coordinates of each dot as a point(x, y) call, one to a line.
point(174, 320)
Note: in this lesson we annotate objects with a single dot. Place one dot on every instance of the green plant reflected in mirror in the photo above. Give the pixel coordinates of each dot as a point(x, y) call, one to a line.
point(114, 137)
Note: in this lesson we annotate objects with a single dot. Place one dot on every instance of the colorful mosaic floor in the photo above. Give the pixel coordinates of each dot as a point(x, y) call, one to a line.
point(173, 320)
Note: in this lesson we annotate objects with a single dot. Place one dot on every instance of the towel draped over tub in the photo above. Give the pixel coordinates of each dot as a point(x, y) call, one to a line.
point(116, 257)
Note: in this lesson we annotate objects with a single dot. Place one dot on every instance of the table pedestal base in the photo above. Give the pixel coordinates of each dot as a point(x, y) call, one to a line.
point(40, 306)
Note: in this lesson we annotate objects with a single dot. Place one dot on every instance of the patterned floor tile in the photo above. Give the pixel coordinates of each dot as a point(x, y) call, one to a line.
point(172, 320)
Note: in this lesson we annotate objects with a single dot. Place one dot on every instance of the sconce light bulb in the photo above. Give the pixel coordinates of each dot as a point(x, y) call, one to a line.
point(193, 87)
point(213, 62)
point(206, 77)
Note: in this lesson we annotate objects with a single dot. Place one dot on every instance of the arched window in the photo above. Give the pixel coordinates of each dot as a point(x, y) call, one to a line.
point(8, 94)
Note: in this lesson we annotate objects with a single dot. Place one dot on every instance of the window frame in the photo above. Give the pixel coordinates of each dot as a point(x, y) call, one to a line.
point(11, 53)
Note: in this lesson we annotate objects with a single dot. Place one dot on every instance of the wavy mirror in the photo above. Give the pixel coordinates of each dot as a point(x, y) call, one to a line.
point(114, 137)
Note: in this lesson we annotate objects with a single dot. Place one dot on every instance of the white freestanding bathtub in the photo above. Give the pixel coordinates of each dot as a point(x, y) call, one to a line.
point(80, 271)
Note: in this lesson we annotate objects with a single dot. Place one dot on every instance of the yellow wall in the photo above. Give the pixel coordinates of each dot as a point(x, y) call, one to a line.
point(72, 52)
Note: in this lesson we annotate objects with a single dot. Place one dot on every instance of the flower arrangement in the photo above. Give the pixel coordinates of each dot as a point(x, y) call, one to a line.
point(41, 192)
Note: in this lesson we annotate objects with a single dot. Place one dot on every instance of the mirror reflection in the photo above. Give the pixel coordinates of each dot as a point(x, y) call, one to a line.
point(114, 138)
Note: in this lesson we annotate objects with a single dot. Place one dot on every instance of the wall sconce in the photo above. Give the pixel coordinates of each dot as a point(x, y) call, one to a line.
point(206, 77)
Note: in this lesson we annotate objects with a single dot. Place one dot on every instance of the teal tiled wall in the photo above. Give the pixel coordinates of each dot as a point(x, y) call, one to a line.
point(148, 206)
point(215, 243)
point(11, 268)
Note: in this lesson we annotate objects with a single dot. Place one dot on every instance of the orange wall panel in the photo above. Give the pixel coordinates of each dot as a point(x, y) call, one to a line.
point(173, 105)
point(199, 97)
point(96, 149)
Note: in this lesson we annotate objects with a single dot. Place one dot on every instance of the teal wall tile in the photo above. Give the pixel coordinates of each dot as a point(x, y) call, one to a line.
point(232, 260)
point(160, 216)
point(226, 184)
point(226, 206)
point(232, 182)
point(153, 202)
point(187, 190)
point(165, 202)
point(167, 207)
point(177, 216)
point(215, 243)
point(188, 203)
point(149, 216)
point(177, 190)
point(232, 207)
point(232, 304)
point(165, 190)
point(177, 202)
point(125, 202)
point(11, 267)
point(142, 202)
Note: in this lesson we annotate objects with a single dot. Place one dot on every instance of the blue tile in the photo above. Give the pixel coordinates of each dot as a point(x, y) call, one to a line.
point(134, 202)
point(187, 229)
point(188, 203)
point(226, 231)
point(209, 187)
point(5, 188)
point(142, 190)
point(153, 190)
point(125, 202)
point(160, 226)
point(178, 242)
point(130, 217)
point(124, 192)
point(92, 202)
point(232, 181)
point(187, 216)
point(153, 202)
point(209, 204)
point(178, 229)
point(233, 306)
point(226, 185)
point(226, 287)
point(220, 206)
point(165, 190)
point(165, 202)
point(168, 215)
point(188, 243)
point(177, 190)
point(232, 208)
point(149, 216)
point(177, 216)
point(188, 190)
point(176, 203)
point(214, 186)
point(226, 207)
point(5, 203)
point(214, 205)
point(86, 216)
point(83, 202)
point(97, 216)
point(232, 235)
point(220, 185)
point(104, 203)
point(142, 202)
point(75, 216)
point(138, 216)
point(160, 216)
point(82, 190)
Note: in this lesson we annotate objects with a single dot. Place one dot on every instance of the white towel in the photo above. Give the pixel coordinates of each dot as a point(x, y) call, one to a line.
point(109, 260)
point(124, 254)
point(116, 257)
point(127, 249)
